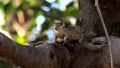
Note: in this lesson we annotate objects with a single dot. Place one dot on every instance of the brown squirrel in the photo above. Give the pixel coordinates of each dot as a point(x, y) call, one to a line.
point(65, 34)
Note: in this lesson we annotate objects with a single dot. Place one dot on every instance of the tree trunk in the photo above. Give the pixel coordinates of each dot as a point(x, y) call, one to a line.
point(90, 52)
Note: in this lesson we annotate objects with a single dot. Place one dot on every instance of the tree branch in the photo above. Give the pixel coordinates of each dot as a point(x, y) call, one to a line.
point(87, 54)
point(41, 56)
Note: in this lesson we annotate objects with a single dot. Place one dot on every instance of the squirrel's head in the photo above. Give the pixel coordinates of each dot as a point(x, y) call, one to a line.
point(58, 25)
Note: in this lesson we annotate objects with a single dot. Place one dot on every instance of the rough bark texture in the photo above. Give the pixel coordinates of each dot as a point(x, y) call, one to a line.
point(91, 52)
point(87, 18)
point(111, 13)
point(94, 54)
point(42, 56)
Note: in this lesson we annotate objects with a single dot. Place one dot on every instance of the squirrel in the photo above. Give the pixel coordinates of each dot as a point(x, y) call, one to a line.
point(66, 34)
point(59, 32)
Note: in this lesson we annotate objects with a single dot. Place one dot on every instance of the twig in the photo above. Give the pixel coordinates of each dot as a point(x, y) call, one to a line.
point(105, 29)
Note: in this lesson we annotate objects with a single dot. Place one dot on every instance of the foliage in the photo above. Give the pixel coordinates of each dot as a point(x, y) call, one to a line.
point(32, 20)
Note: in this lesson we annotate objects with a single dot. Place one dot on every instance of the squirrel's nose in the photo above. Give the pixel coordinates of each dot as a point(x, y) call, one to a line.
point(55, 28)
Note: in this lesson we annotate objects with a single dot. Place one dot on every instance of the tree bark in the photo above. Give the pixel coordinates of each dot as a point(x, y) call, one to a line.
point(90, 52)
point(42, 56)
point(94, 54)
point(87, 18)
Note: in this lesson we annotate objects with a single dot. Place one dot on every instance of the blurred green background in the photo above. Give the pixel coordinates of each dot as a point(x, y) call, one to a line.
point(27, 21)
point(32, 20)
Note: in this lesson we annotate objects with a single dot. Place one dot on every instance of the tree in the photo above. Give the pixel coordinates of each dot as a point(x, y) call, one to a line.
point(91, 52)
